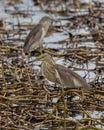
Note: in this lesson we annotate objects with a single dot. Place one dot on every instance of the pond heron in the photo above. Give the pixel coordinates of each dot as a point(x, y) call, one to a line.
point(59, 74)
point(37, 34)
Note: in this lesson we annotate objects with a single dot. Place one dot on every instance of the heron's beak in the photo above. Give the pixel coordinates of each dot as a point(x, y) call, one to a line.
point(55, 20)
point(41, 57)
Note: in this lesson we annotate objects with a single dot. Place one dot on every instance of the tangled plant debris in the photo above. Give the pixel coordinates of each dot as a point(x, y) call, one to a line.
point(27, 102)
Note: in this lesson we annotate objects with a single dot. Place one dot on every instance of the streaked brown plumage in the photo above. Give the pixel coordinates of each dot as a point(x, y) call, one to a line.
point(59, 74)
point(36, 35)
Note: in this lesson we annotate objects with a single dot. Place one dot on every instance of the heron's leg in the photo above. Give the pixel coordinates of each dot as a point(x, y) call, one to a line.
point(41, 49)
point(65, 106)
point(83, 95)
point(23, 57)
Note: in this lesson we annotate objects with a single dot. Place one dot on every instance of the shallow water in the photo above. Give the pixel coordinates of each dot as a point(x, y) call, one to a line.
point(21, 16)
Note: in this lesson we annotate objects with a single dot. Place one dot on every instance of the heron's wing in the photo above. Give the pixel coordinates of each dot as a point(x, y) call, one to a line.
point(69, 77)
point(34, 35)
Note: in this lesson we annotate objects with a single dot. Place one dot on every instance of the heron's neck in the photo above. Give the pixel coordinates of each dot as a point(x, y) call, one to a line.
point(46, 26)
